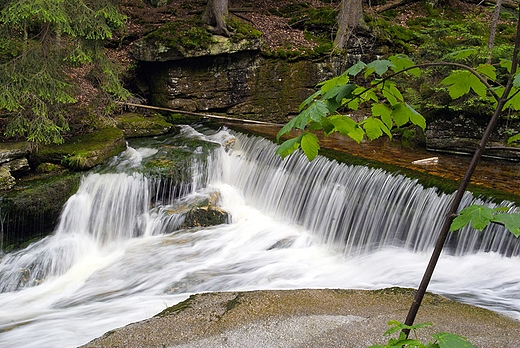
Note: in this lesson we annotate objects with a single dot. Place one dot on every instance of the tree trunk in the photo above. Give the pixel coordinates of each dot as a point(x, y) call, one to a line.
point(494, 22)
point(215, 16)
point(350, 17)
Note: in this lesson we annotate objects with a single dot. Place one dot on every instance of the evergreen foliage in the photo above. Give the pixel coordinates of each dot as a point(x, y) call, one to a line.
point(39, 41)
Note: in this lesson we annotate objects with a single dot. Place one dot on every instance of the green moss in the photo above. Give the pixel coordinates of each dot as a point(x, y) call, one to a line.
point(233, 303)
point(242, 30)
point(182, 34)
point(83, 151)
point(27, 212)
point(179, 307)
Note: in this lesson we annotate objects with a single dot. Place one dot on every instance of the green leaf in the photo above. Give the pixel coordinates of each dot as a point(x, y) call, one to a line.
point(287, 127)
point(400, 114)
point(511, 221)
point(353, 104)
point(476, 216)
point(356, 68)
point(402, 62)
point(309, 100)
point(289, 146)
point(378, 66)
point(333, 82)
point(513, 99)
point(459, 83)
point(335, 95)
point(516, 80)
point(317, 111)
point(487, 70)
point(506, 64)
point(449, 340)
point(391, 93)
point(384, 112)
point(463, 53)
point(345, 91)
point(477, 86)
point(348, 127)
point(416, 118)
point(514, 138)
point(374, 128)
point(310, 145)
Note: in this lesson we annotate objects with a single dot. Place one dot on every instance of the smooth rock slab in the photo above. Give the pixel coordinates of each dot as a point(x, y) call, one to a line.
point(307, 318)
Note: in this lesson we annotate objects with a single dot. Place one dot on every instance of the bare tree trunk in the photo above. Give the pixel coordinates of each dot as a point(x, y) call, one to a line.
point(493, 30)
point(350, 17)
point(215, 16)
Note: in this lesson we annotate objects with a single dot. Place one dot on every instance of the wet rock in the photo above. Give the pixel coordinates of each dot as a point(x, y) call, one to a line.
point(136, 125)
point(460, 134)
point(205, 217)
point(200, 211)
point(33, 210)
point(306, 318)
point(19, 166)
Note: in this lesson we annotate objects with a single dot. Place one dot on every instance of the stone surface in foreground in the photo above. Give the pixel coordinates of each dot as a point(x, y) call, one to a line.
point(307, 318)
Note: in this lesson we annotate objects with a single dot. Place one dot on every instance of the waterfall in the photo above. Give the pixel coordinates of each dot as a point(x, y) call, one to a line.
point(118, 253)
point(355, 208)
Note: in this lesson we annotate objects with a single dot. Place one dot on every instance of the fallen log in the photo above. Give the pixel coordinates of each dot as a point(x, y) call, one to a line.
point(203, 115)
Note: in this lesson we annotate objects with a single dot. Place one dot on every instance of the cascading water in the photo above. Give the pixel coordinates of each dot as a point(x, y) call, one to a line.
point(118, 255)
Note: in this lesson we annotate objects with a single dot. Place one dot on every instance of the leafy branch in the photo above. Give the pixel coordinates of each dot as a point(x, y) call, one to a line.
point(383, 101)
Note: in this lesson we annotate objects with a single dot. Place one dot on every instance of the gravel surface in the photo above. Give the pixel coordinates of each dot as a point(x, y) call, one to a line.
point(307, 318)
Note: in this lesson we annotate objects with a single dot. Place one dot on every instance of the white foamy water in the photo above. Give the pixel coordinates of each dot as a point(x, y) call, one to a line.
point(116, 257)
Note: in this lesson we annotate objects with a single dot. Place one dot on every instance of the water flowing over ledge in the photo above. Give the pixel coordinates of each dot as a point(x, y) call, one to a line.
point(118, 255)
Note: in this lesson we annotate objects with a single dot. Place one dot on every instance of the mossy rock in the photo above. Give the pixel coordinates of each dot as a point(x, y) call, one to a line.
point(205, 217)
point(135, 125)
point(32, 208)
point(9, 151)
point(85, 151)
point(188, 39)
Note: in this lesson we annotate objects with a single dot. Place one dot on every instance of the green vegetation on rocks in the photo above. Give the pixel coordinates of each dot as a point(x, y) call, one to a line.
point(32, 209)
point(84, 151)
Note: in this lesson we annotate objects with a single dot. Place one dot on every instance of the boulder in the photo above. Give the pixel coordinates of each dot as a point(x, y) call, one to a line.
point(7, 181)
point(11, 151)
point(205, 217)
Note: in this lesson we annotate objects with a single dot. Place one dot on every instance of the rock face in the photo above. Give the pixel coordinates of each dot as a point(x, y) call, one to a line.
point(13, 163)
point(153, 49)
point(459, 134)
point(242, 85)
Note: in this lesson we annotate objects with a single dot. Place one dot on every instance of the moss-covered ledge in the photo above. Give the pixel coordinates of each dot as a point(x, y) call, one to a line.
point(83, 152)
point(135, 125)
point(189, 38)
